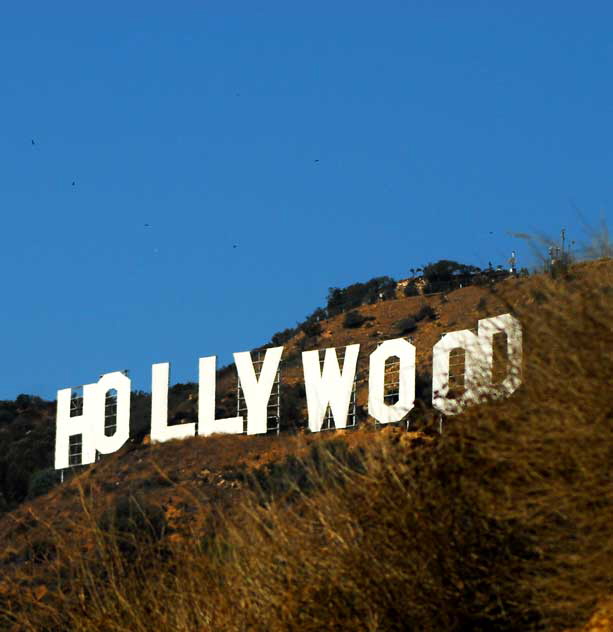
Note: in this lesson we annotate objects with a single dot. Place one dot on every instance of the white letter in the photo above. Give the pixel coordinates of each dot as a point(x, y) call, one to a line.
point(121, 383)
point(478, 364)
point(257, 392)
point(508, 324)
point(330, 386)
point(160, 430)
point(67, 426)
point(467, 341)
point(207, 424)
point(377, 407)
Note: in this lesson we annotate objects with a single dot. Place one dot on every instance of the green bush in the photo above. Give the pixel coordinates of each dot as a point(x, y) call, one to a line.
point(354, 319)
point(293, 403)
point(342, 300)
point(406, 325)
point(411, 289)
point(445, 270)
point(311, 329)
point(426, 312)
point(281, 337)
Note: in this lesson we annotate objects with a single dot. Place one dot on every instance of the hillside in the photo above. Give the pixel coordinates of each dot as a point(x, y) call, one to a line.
point(27, 425)
point(203, 485)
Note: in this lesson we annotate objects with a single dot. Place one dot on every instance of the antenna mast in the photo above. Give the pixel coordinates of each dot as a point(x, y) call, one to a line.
point(563, 240)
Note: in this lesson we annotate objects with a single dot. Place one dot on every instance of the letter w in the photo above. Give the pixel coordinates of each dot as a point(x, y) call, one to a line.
point(330, 386)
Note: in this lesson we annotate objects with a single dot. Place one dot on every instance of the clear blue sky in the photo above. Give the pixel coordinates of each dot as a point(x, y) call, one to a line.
point(434, 124)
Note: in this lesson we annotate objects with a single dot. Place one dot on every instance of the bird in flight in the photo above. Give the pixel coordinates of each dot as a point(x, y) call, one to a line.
point(234, 246)
point(74, 184)
point(33, 143)
point(147, 225)
point(316, 160)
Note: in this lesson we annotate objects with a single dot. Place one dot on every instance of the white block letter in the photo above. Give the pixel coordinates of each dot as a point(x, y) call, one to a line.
point(479, 360)
point(509, 325)
point(207, 424)
point(330, 386)
point(467, 341)
point(67, 426)
point(257, 391)
point(160, 430)
point(377, 407)
point(122, 384)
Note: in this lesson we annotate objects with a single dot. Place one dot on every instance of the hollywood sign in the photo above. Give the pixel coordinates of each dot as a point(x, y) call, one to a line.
point(326, 386)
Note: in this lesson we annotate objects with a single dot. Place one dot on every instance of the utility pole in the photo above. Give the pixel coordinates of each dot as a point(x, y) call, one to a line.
point(563, 239)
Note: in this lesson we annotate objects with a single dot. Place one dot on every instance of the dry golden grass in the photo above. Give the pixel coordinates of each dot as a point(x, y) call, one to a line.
point(502, 523)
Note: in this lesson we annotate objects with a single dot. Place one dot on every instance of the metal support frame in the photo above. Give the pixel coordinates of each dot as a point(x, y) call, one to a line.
point(457, 372)
point(75, 450)
point(391, 383)
point(75, 442)
point(110, 413)
point(273, 417)
point(457, 369)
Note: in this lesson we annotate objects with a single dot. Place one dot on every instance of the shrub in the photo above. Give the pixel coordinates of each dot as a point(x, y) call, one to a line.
point(410, 289)
point(429, 288)
point(444, 271)
point(140, 415)
point(425, 312)
point(423, 387)
point(281, 337)
point(311, 329)
point(133, 521)
point(354, 319)
point(293, 402)
point(378, 288)
point(317, 315)
point(406, 325)
point(24, 401)
point(560, 269)
point(41, 482)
